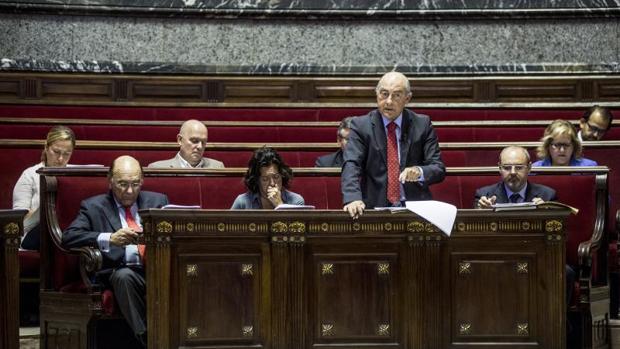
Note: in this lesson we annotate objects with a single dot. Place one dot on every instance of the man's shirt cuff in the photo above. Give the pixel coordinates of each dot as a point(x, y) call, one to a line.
point(103, 240)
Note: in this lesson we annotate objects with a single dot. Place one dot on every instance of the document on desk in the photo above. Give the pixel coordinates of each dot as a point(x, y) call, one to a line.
point(440, 214)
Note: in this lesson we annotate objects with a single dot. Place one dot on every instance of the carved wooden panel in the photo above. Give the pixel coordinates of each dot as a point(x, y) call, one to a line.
point(493, 297)
point(219, 299)
point(355, 299)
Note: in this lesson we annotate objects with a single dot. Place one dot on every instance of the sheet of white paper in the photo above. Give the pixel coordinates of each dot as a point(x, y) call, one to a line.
point(180, 207)
point(439, 213)
point(294, 207)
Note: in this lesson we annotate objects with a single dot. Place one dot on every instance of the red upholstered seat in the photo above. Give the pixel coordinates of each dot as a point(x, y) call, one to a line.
point(29, 264)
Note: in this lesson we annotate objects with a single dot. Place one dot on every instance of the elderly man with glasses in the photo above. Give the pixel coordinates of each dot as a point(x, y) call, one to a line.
point(111, 222)
point(393, 153)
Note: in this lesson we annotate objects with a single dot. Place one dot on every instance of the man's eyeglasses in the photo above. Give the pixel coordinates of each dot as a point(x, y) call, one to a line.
point(268, 179)
point(595, 129)
point(125, 185)
point(396, 95)
point(558, 146)
point(509, 168)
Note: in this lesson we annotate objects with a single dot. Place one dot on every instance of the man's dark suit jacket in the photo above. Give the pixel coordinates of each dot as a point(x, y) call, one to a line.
point(330, 160)
point(99, 214)
point(533, 191)
point(364, 172)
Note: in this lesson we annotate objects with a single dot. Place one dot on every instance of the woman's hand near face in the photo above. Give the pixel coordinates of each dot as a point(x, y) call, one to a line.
point(274, 195)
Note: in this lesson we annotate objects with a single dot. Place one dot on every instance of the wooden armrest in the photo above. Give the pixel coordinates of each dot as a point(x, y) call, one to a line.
point(91, 261)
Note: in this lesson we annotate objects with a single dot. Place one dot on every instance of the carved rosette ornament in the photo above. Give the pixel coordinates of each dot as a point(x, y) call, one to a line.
point(415, 227)
point(191, 270)
point(247, 269)
point(327, 269)
point(279, 228)
point(297, 228)
point(523, 329)
point(383, 330)
point(522, 268)
point(553, 226)
point(465, 328)
point(247, 331)
point(192, 332)
point(383, 268)
point(327, 330)
point(11, 229)
point(464, 268)
point(164, 227)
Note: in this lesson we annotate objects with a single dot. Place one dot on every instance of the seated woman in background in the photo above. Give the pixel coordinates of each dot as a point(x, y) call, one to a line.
point(267, 179)
point(561, 147)
point(57, 152)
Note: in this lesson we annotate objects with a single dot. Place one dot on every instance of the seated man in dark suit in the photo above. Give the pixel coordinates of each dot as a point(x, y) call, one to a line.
point(335, 159)
point(111, 222)
point(514, 167)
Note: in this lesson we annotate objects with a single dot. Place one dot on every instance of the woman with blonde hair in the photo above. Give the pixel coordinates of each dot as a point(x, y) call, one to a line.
point(561, 147)
point(56, 153)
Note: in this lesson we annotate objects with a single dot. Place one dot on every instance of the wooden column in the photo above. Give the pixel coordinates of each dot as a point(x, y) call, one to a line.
point(11, 229)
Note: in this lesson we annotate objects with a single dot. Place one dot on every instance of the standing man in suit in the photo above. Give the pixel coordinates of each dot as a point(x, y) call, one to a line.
point(392, 154)
point(111, 222)
point(192, 139)
point(335, 159)
point(514, 167)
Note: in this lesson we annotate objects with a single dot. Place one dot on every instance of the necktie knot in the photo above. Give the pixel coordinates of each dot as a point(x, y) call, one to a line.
point(514, 198)
point(391, 126)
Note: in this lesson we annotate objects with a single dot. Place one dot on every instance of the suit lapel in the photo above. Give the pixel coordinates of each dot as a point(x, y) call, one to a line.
point(502, 196)
point(405, 140)
point(379, 134)
point(111, 213)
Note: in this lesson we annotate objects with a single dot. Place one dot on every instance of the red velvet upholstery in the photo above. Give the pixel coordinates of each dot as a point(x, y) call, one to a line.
point(29, 262)
point(271, 134)
point(274, 114)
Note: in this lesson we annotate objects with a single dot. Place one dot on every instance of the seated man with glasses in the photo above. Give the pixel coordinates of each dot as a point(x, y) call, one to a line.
point(192, 139)
point(514, 167)
point(111, 222)
point(561, 147)
point(266, 179)
point(594, 123)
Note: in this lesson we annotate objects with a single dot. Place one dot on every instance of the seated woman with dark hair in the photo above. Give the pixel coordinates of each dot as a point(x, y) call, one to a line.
point(267, 179)
point(561, 147)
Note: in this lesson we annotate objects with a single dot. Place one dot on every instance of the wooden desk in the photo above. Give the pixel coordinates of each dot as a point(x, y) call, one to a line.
point(317, 279)
point(11, 229)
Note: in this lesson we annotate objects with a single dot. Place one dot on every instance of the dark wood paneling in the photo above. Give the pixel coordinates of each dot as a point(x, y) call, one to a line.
point(11, 229)
point(9, 89)
point(299, 91)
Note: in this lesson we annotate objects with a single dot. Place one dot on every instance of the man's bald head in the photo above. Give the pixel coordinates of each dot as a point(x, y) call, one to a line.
point(192, 139)
point(514, 152)
point(125, 179)
point(394, 78)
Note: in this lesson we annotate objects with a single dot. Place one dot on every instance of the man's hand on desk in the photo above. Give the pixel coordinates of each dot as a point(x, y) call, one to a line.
point(410, 174)
point(355, 208)
point(124, 237)
point(485, 202)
